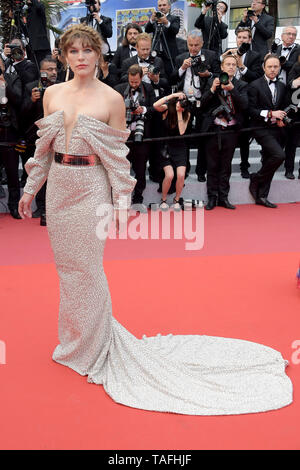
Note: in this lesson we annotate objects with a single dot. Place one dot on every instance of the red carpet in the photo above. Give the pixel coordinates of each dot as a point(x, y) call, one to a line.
point(241, 284)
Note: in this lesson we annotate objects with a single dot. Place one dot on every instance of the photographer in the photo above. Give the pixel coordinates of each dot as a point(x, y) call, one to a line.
point(139, 98)
point(212, 27)
point(288, 50)
point(268, 99)
point(176, 116)
point(262, 26)
point(11, 100)
point(16, 64)
point(293, 140)
point(152, 66)
point(32, 110)
point(248, 69)
point(167, 26)
point(127, 49)
point(224, 103)
point(101, 23)
point(192, 71)
point(39, 45)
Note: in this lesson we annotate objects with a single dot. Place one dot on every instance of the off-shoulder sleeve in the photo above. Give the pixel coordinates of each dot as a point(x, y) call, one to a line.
point(109, 144)
point(38, 166)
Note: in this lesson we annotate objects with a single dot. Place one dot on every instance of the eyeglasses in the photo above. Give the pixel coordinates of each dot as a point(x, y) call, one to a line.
point(290, 34)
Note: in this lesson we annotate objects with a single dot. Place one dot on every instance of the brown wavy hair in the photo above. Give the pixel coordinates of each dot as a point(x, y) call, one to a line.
point(88, 36)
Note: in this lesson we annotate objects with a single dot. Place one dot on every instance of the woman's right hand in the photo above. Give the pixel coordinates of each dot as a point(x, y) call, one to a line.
point(25, 205)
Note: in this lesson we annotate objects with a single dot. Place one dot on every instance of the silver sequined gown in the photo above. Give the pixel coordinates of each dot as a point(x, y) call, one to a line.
point(199, 375)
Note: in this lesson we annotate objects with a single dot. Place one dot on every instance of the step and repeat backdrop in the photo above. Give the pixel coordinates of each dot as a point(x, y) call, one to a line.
point(121, 12)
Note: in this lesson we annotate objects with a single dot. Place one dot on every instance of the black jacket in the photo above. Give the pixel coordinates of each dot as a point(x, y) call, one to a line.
point(148, 98)
point(112, 77)
point(36, 25)
point(204, 23)
point(134, 60)
point(260, 98)
point(210, 101)
point(294, 73)
point(292, 58)
point(211, 60)
point(121, 54)
point(25, 70)
point(104, 29)
point(170, 34)
point(253, 63)
point(264, 29)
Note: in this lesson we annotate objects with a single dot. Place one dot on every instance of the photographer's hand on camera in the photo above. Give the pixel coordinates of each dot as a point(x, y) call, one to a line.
point(154, 77)
point(278, 114)
point(35, 95)
point(215, 84)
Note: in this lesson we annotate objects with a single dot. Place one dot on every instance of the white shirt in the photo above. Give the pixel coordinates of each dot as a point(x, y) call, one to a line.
point(188, 81)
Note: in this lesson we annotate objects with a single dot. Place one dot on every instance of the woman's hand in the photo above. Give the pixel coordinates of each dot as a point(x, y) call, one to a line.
point(25, 205)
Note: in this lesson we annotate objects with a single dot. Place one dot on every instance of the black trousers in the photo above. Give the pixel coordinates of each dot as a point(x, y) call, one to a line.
point(272, 142)
point(219, 152)
point(292, 142)
point(138, 156)
point(10, 159)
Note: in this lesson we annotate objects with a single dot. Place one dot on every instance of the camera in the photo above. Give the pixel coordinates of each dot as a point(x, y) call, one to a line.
point(209, 3)
point(199, 63)
point(224, 111)
point(139, 130)
point(275, 45)
point(158, 15)
point(187, 103)
point(90, 3)
point(152, 68)
point(43, 82)
point(250, 13)
point(16, 53)
point(224, 78)
point(289, 110)
point(244, 47)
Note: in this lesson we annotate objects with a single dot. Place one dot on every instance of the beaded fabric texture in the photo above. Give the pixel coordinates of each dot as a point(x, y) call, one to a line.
point(186, 374)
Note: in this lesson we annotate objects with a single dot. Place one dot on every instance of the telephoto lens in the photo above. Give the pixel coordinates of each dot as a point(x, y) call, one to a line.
point(139, 130)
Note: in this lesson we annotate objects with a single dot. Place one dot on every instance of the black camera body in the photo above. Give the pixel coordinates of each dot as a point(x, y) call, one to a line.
point(188, 103)
point(250, 13)
point(199, 64)
point(244, 47)
point(158, 15)
point(291, 109)
point(152, 68)
point(16, 53)
point(209, 3)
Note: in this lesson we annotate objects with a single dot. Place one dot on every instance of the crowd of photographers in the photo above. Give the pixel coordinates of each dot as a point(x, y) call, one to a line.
point(172, 88)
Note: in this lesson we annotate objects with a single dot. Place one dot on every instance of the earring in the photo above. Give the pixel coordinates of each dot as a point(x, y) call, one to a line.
point(67, 73)
point(96, 70)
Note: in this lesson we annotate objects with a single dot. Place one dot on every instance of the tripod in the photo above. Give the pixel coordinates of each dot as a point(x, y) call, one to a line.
point(159, 43)
point(214, 30)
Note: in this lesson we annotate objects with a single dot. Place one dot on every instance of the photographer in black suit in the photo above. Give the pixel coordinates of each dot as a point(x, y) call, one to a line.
point(100, 23)
point(224, 103)
point(267, 101)
point(249, 68)
point(16, 64)
point(289, 50)
point(127, 49)
point(139, 98)
point(262, 26)
point(192, 71)
point(169, 26)
point(11, 100)
point(31, 111)
point(212, 27)
point(39, 45)
point(146, 61)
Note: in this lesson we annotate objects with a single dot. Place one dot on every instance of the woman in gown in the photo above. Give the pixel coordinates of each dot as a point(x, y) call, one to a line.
point(81, 149)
